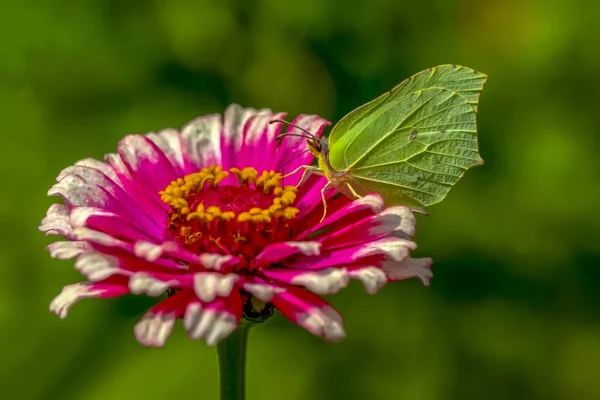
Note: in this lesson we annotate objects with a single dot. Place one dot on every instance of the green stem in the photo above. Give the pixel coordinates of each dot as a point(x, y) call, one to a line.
point(232, 363)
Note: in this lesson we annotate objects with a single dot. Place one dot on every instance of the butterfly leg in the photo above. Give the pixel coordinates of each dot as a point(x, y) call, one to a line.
point(358, 196)
point(327, 186)
point(296, 170)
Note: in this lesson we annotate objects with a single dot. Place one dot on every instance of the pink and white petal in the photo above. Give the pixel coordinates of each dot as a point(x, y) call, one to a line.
point(214, 321)
point(75, 191)
point(216, 261)
point(71, 294)
point(97, 267)
point(262, 290)
point(200, 140)
point(100, 238)
point(111, 224)
point(127, 208)
point(57, 222)
point(93, 176)
point(398, 221)
point(292, 146)
point(232, 137)
point(146, 163)
point(373, 278)
point(154, 328)
point(326, 281)
point(279, 251)
point(101, 166)
point(351, 212)
point(169, 142)
point(260, 140)
point(144, 283)
point(152, 252)
point(114, 197)
point(209, 285)
point(409, 268)
point(143, 197)
point(67, 250)
point(311, 312)
point(387, 248)
point(393, 248)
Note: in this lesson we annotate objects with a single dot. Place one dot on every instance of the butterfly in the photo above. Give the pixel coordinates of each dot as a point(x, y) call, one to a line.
point(409, 145)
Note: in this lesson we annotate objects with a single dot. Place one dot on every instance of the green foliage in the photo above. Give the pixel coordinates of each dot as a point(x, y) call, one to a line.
point(512, 311)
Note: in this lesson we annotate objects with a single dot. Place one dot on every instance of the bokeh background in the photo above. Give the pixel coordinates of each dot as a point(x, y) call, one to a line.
point(513, 309)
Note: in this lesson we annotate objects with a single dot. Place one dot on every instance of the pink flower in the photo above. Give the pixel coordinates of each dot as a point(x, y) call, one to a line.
point(203, 215)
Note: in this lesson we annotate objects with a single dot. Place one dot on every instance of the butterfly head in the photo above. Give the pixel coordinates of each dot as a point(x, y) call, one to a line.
point(318, 146)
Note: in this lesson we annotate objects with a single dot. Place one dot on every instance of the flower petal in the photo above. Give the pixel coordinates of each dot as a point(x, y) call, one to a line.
point(71, 294)
point(352, 212)
point(154, 329)
point(260, 140)
point(262, 290)
point(327, 281)
point(201, 142)
point(279, 251)
point(67, 250)
point(311, 312)
point(156, 326)
point(213, 322)
point(373, 278)
point(397, 221)
point(57, 222)
point(169, 142)
point(143, 283)
point(209, 285)
point(409, 268)
point(234, 120)
point(146, 163)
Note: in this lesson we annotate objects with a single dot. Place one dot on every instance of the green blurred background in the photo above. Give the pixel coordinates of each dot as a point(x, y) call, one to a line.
point(512, 312)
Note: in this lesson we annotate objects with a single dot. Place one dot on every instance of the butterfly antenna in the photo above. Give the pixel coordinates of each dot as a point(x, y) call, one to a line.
point(281, 121)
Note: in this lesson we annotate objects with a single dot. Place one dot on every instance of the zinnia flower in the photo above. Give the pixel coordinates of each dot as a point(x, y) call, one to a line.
point(204, 215)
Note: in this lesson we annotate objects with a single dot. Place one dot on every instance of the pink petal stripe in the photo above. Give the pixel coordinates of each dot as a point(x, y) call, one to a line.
point(169, 142)
point(260, 140)
point(143, 197)
point(398, 220)
point(122, 204)
point(311, 312)
point(347, 214)
point(234, 120)
point(146, 163)
point(279, 251)
point(200, 140)
point(71, 294)
point(57, 222)
point(387, 248)
point(111, 224)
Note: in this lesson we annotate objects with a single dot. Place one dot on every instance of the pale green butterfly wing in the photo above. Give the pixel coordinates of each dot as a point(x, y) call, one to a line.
point(415, 142)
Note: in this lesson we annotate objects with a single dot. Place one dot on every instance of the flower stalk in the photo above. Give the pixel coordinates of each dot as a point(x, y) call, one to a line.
point(232, 363)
